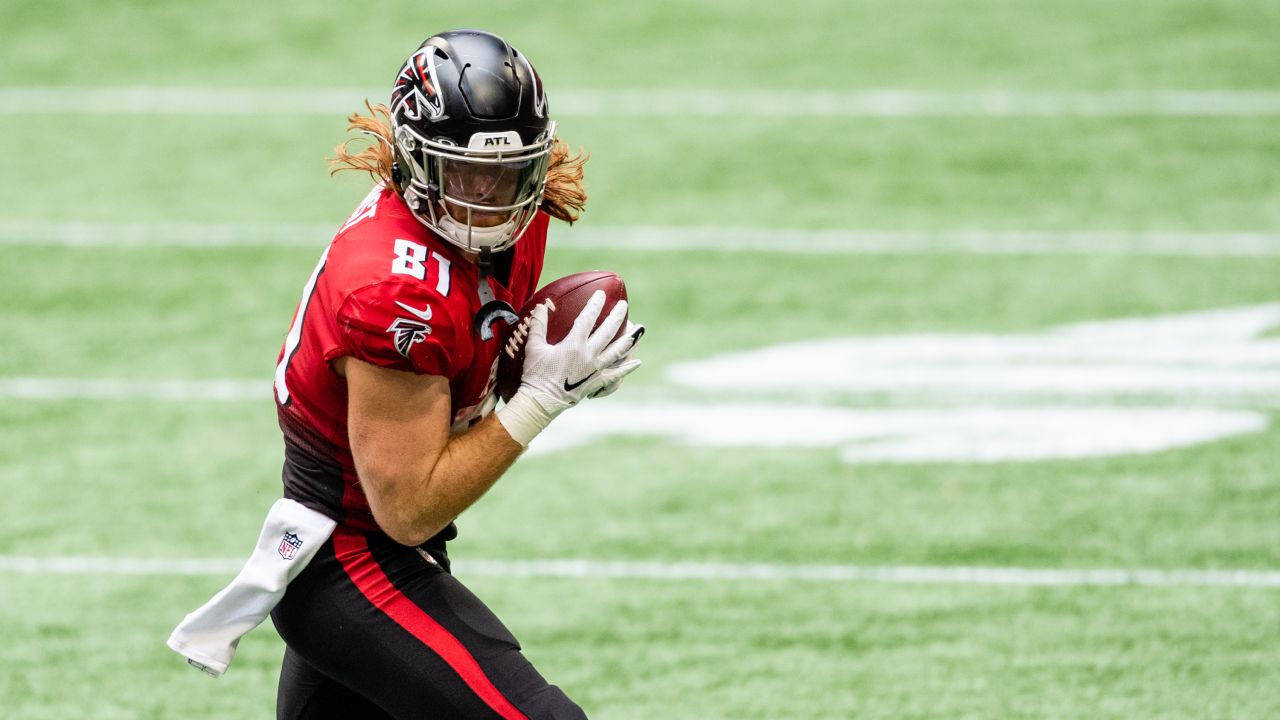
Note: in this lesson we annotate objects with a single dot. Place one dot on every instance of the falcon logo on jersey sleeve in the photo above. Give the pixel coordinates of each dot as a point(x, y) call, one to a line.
point(410, 331)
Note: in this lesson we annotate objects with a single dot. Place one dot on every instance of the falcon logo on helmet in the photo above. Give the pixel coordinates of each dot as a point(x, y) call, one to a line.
point(416, 87)
point(472, 139)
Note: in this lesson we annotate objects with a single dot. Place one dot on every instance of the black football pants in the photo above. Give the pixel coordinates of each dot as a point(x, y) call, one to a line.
point(378, 630)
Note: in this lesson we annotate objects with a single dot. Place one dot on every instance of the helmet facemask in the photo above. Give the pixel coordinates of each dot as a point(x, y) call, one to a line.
point(478, 197)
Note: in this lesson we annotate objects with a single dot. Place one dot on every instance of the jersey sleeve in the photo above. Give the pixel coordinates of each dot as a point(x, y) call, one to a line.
point(400, 326)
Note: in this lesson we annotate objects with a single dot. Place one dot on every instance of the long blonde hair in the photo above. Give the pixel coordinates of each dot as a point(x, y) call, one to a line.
point(564, 199)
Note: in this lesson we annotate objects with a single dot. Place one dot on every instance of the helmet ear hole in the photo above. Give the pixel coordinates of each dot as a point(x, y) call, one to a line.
point(397, 177)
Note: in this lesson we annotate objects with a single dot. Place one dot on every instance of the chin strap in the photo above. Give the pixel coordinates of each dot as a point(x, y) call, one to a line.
point(471, 238)
point(485, 264)
point(491, 308)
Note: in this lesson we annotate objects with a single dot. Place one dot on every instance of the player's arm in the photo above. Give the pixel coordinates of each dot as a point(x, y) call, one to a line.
point(417, 477)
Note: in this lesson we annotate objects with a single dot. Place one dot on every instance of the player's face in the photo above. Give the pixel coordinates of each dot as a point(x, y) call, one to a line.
point(490, 185)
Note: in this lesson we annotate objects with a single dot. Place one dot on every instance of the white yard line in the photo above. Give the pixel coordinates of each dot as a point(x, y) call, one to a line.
point(684, 239)
point(925, 242)
point(73, 233)
point(188, 100)
point(692, 571)
point(250, 390)
point(29, 388)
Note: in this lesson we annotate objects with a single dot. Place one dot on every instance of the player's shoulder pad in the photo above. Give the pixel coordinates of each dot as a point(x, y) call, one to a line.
point(376, 208)
point(402, 324)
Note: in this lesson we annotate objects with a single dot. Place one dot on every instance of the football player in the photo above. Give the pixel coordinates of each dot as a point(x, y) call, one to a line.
point(385, 390)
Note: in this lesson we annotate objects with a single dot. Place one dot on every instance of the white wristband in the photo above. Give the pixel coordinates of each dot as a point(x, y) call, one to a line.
point(523, 417)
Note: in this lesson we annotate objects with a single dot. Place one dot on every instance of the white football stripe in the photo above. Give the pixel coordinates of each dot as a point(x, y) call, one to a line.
point(30, 388)
point(906, 435)
point(42, 388)
point(859, 435)
point(936, 392)
point(1215, 355)
point(697, 571)
point(73, 233)
point(684, 239)
point(189, 100)
point(917, 103)
point(922, 242)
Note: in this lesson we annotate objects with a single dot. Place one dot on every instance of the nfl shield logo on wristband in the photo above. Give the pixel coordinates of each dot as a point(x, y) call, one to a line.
point(289, 545)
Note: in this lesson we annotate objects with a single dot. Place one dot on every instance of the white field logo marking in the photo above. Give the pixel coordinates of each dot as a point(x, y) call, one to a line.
point(1087, 390)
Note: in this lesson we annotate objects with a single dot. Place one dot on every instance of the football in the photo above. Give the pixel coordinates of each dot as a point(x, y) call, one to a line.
point(565, 298)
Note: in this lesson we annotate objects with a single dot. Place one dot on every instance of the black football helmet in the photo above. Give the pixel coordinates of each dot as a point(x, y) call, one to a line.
point(472, 138)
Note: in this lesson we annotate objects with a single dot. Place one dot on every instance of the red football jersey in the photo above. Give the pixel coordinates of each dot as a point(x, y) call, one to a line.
point(389, 292)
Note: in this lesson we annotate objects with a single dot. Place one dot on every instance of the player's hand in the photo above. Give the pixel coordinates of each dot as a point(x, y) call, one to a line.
point(581, 364)
point(584, 364)
point(614, 374)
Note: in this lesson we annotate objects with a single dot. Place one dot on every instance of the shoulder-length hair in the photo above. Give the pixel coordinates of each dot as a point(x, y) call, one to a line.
point(564, 199)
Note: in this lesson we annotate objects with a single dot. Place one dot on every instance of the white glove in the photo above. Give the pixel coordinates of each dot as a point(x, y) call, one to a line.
point(583, 364)
point(616, 372)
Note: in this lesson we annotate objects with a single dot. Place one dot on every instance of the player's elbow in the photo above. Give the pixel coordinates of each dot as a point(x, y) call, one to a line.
point(406, 533)
point(406, 525)
point(402, 510)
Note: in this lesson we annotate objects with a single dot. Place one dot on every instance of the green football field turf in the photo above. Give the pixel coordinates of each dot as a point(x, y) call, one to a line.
point(171, 479)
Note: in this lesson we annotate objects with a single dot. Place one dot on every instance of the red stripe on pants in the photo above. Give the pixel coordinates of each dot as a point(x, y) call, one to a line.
point(352, 550)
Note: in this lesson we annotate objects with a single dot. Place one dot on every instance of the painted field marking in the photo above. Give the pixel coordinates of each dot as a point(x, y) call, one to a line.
point(1124, 386)
point(698, 571)
point(888, 103)
point(1217, 353)
point(1068, 392)
point(881, 434)
point(29, 388)
point(683, 239)
point(910, 434)
point(924, 242)
point(73, 233)
point(906, 435)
